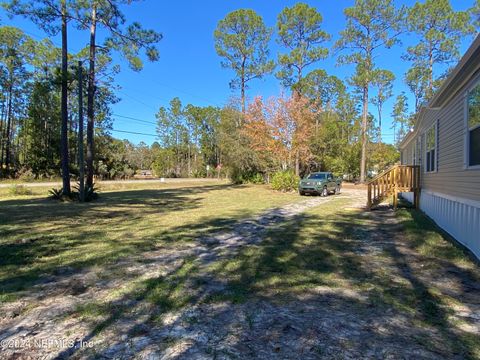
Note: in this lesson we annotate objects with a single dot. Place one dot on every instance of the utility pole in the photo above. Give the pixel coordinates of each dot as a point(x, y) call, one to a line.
point(81, 163)
point(64, 104)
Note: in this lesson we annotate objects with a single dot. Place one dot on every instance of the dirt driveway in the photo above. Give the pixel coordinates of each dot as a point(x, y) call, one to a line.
point(317, 279)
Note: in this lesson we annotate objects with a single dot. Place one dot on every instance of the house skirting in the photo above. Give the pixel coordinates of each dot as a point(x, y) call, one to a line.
point(459, 217)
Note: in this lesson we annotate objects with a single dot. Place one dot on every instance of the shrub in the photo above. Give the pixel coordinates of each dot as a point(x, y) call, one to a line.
point(246, 177)
point(236, 176)
point(56, 194)
point(19, 190)
point(91, 193)
point(255, 178)
point(25, 174)
point(285, 181)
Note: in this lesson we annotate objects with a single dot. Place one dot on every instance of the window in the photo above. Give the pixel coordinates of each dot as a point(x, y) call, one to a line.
point(430, 149)
point(317, 176)
point(473, 123)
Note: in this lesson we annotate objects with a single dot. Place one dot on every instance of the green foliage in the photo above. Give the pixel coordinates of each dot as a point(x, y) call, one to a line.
point(372, 25)
point(239, 177)
point(299, 31)
point(188, 140)
point(242, 40)
point(90, 194)
point(285, 181)
point(56, 194)
point(25, 174)
point(401, 118)
point(129, 40)
point(475, 14)
point(383, 156)
point(237, 155)
point(119, 159)
point(416, 78)
point(16, 190)
point(164, 164)
point(42, 129)
point(15, 50)
point(383, 81)
point(439, 29)
point(323, 89)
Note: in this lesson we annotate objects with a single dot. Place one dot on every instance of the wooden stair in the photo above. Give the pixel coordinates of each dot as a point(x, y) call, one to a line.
point(399, 178)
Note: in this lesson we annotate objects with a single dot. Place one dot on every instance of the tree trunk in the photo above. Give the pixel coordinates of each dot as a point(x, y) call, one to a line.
point(64, 108)
point(395, 132)
point(242, 86)
point(8, 130)
point(243, 95)
point(81, 164)
point(91, 99)
point(297, 164)
point(2, 118)
point(380, 123)
point(430, 74)
point(363, 161)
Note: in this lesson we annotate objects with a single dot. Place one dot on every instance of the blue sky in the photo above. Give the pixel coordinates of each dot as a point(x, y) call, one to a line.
point(189, 67)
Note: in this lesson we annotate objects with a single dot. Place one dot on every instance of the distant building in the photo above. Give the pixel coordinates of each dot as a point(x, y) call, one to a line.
point(446, 145)
point(144, 174)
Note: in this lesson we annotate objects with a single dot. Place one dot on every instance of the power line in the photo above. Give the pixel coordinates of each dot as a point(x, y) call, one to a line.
point(139, 101)
point(186, 93)
point(132, 132)
point(54, 42)
point(134, 119)
point(211, 102)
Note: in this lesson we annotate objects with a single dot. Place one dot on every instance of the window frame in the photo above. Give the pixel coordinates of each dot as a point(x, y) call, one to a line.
point(426, 150)
point(468, 130)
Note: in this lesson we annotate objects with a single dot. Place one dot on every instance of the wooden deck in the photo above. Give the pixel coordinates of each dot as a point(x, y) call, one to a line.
point(399, 178)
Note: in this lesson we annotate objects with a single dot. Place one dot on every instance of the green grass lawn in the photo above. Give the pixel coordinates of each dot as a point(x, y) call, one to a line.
point(421, 274)
point(369, 267)
point(39, 236)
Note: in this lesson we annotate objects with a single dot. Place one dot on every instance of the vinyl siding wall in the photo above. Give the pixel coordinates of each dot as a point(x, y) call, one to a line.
point(450, 177)
point(451, 194)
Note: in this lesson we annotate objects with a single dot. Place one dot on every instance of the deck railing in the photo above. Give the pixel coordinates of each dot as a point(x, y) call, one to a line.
point(399, 178)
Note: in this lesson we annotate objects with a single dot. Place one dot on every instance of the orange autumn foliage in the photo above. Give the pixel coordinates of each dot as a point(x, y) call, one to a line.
point(280, 130)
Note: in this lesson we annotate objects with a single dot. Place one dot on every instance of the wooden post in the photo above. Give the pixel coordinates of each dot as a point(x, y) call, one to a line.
point(369, 197)
point(417, 187)
point(382, 187)
point(395, 174)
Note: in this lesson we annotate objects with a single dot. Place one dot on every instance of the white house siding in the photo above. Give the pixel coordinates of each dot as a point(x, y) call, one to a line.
point(458, 217)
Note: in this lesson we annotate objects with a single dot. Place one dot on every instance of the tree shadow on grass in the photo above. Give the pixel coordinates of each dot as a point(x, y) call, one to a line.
point(31, 211)
point(344, 286)
point(69, 251)
point(349, 282)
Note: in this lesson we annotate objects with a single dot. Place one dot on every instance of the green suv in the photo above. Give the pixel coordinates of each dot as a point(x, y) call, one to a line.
point(319, 183)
